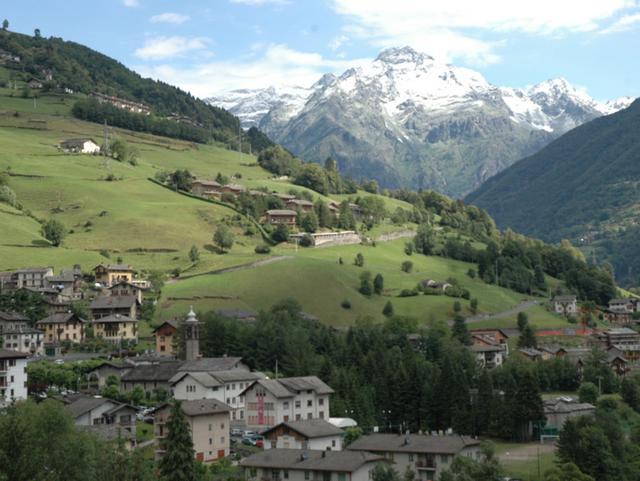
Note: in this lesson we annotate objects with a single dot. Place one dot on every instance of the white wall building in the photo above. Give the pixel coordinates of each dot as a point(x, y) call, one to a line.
point(13, 376)
point(304, 434)
point(28, 341)
point(225, 386)
point(273, 401)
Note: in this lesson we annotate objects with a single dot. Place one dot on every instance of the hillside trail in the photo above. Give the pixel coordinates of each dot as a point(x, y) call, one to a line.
point(227, 270)
point(522, 306)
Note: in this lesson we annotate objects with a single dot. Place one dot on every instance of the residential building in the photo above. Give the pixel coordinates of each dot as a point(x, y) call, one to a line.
point(208, 421)
point(625, 340)
point(272, 401)
point(103, 306)
point(618, 318)
point(131, 106)
point(299, 204)
point(80, 146)
point(99, 375)
point(107, 275)
point(35, 83)
point(231, 189)
point(13, 376)
point(225, 386)
point(27, 340)
point(623, 305)
point(565, 305)
point(213, 364)
point(63, 327)
point(558, 410)
point(116, 328)
point(282, 216)
point(10, 321)
point(205, 188)
point(31, 277)
point(125, 289)
point(150, 377)
point(498, 335)
point(427, 455)
point(489, 352)
point(316, 434)
point(166, 336)
point(309, 465)
point(68, 284)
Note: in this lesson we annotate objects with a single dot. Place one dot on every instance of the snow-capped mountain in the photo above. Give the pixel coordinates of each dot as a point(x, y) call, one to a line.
point(407, 119)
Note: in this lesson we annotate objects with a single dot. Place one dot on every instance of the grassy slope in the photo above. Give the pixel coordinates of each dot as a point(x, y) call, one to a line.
point(141, 215)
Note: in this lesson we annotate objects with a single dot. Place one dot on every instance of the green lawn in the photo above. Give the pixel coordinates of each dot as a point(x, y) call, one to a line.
point(525, 465)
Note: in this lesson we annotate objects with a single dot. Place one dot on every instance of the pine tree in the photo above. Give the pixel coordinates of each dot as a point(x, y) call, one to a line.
point(527, 338)
point(378, 284)
point(460, 331)
point(178, 463)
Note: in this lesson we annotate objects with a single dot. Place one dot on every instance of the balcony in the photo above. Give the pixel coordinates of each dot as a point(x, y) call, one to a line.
point(426, 464)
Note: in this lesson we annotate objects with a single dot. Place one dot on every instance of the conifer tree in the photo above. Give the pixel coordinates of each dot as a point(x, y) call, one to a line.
point(178, 463)
point(378, 284)
point(460, 331)
point(388, 309)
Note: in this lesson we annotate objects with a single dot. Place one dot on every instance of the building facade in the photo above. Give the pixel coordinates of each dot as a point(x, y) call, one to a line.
point(63, 327)
point(13, 376)
point(28, 341)
point(116, 328)
point(107, 275)
point(304, 434)
point(165, 337)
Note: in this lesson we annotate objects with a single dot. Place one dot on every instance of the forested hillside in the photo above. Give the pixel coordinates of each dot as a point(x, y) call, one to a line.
point(583, 186)
point(73, 66)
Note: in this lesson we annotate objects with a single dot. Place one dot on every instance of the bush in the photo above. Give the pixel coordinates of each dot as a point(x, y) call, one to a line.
point(306, 241)
point(472, 273)
point(359, 260)
point(588, 393)
point(407, 266)
point(280, 233)
point(409, 292)
point(8, 196)
point(346, 304)
point(262, 249)
point(54, 231)
point(409, 248)
point(223, 237)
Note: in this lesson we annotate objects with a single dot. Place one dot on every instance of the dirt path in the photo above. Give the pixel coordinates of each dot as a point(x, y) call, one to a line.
point(523, 306)
point(226, 270)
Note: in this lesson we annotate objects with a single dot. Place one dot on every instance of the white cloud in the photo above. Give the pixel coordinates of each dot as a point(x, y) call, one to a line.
point(158, 48)
point(131, 3)
point(627, 22)
point(278, 65)
point(338, 42)
point(169, 18)
point(261, 2)
point(457, 28)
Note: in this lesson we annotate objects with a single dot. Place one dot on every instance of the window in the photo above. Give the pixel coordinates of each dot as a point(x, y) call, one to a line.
point(228, 400)
point(342, 477)
point(444, 458)
point(298, 404)
point(210, 426)
point(307, 475)
point(233, 386)
point(321, 414)
point(321, 401)
point(210, 441)
point(275, 474)
point(310, 403)
point(222, 426)
point(298, 417)
point(410, 457)
point(309, 415)
point(285, 405)
point(222, 440)
point(333, 445)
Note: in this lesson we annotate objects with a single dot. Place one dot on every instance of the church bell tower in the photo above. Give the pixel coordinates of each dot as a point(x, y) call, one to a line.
point(191, 336)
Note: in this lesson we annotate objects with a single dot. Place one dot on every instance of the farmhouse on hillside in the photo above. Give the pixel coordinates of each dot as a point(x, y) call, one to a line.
point(80, 146)
point(565, 305)
point(282, 216)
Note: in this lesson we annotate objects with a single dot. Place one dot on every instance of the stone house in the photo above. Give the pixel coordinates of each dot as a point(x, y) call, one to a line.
point(272, 401)
point(427, 455)
point(80, 146)
point(116, 328)
point(33, 277)
point(316, 434)
point(209, 426)
point(565, 305)
point(10, 321)
point(63, 327)
point(299, 204)
point(124, 288)
point(205, 188)
point(27, 340)
point(310, 465)
point(558, 410)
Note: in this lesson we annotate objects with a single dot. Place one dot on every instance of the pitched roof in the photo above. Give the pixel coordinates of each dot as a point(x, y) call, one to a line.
point(115, 318)
point(211, 364)
point(76, 142)
point(413, 443)
point(281, 212)
point(236, 375)
point(569, 298)
point(300, 202)
point(310, 460)
point(7, 354)
point(208, 183)
point(84, 404)
point(201, 407)
point(170, 322)
point(161, 372)
point(290, 386)
point(113, 302)
point(309, 428)
point(13, 316)
point(115, 267)
point(34, 270)
point(61, 318)
point(203, 378)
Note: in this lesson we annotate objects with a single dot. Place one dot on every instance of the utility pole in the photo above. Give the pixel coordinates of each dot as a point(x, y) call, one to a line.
point(276, 369)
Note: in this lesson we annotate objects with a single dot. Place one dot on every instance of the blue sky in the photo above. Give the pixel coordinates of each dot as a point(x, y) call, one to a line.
point(209, 46)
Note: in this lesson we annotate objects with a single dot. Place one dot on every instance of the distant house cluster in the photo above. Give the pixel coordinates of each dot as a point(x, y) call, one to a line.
point(130, 105)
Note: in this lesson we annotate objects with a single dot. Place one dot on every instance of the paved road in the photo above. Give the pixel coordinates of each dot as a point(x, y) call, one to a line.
point(523, 306)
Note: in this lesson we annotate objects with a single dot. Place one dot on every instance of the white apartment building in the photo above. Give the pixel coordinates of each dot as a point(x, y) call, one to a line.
point(273, 401)
point(13, 376)
point(225, 386)
point(29, 341)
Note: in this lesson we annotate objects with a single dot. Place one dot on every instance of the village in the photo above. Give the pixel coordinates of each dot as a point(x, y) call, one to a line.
point(287, 421)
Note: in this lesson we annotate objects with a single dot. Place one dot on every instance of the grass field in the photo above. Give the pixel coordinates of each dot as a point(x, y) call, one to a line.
point(525, 460)
point(136, 221)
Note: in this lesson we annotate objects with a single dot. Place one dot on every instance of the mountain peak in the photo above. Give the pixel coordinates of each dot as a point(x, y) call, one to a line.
point(402, 55)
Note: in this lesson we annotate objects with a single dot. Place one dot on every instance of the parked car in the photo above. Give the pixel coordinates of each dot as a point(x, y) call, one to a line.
point(237, 433)
point(256, 440)
point(250, 433)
